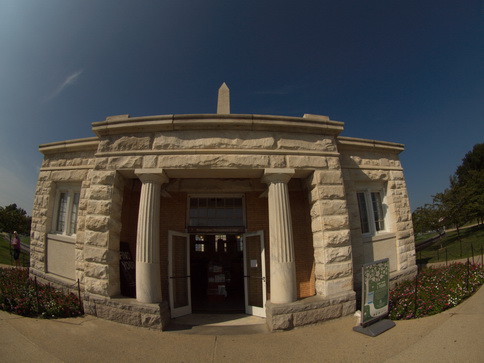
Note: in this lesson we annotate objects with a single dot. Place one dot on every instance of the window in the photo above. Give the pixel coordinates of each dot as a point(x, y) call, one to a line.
point(67, 208)
point(215, 212)
point(199, 243)
point(372, 212)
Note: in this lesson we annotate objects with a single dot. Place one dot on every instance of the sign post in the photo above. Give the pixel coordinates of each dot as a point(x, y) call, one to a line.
point(374, 299)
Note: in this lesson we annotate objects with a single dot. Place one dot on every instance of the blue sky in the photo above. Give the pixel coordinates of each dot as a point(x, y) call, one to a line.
point(408, 71)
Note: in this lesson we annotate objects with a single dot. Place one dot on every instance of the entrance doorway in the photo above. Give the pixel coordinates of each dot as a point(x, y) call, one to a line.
point(217, 270)
point(217, 273)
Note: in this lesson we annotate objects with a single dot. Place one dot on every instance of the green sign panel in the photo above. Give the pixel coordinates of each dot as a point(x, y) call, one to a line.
point(375, 290)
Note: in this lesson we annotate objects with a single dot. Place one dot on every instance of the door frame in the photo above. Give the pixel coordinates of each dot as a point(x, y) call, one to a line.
point(187, 309)
point(250, 309)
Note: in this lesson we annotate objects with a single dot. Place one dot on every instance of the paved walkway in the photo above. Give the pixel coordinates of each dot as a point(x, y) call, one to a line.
point(456, 335)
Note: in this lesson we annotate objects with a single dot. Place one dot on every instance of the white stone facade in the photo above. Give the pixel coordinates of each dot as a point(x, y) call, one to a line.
point(158, 160)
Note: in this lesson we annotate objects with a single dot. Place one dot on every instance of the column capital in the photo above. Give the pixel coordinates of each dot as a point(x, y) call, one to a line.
point(157, 176)
point(277, 175)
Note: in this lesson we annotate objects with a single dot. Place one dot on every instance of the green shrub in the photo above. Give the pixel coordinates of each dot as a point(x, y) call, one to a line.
point(21, 295)
point(434, 290)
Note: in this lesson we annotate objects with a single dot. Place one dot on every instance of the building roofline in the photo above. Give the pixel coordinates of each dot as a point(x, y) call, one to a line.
point(357, 143)
point(86, 144)
point(121, 124)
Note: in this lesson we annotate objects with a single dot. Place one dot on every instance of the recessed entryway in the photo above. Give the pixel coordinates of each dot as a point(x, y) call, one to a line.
point(217, 273)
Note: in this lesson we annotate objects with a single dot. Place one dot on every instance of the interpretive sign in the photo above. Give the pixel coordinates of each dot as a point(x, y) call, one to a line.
point(375, 290)
point(374, 300)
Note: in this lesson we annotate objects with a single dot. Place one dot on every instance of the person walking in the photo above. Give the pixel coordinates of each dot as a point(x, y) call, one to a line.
point(16, 248)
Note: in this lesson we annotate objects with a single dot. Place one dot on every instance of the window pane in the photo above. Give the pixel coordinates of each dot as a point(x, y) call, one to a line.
point(193, 203)
point(378, 211)
point(74, 211)
point(365, 228)
point(61, 213)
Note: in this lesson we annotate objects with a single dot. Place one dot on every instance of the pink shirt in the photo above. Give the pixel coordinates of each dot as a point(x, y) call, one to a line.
point(16, 243)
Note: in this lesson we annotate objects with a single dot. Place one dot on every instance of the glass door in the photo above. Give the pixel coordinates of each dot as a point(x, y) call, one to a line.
point(179, 273)
point(255, 274)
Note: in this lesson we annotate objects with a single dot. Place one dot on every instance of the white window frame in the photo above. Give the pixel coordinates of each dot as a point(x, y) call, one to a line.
point(370, 212)
point(71, 210)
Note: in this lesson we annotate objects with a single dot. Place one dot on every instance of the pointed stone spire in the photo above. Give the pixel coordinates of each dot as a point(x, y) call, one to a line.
point(223, 105)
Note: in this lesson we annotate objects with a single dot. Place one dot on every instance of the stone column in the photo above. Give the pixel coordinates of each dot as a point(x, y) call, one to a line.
point(283, 267)
point(148, 279)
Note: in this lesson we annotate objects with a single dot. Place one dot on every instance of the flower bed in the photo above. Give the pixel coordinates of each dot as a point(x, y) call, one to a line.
point(435, 290)
point(21, 295)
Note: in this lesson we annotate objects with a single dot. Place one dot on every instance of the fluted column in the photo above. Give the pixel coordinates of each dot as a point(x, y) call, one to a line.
point(283, 266)
point(148, 279)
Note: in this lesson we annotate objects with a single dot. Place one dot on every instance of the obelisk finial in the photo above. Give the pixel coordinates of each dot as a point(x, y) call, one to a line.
point(223, 105)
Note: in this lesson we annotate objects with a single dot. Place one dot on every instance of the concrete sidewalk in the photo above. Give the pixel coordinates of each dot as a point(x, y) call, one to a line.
point(452, 336)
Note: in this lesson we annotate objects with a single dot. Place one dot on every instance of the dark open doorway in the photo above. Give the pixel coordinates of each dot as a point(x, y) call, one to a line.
point(217, 273)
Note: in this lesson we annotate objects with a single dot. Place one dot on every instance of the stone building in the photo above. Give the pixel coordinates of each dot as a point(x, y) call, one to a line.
point(161, 216)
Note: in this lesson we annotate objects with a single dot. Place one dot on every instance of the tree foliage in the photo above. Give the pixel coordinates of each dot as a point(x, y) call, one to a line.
point(427, 218)
point(461, 202)
point(13, 218)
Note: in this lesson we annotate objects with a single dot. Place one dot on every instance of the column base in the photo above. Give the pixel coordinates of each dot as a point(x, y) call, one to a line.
point(283, 282)
point(311, 310)
point(148, 282)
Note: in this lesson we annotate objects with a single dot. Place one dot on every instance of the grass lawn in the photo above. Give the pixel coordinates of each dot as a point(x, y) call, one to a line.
point(450, 248)
point(4, 251)
point(423, 237)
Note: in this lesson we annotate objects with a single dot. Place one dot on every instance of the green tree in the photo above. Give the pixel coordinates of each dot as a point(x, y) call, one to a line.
point(453, 203)
point(13, 218)
point(470, 178)
point(473, 161)
point(428, 218)
point(462, 202)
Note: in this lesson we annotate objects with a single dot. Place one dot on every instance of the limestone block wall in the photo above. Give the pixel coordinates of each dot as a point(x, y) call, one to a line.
point(330, 228)
point(215, 148)
point(376, 164)
point(104, 199)
point(57, 169)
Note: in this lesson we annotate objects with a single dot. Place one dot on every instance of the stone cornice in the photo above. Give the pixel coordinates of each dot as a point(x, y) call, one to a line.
point(87, 144)
point(217, 152)
point(344, 142)
point(122, 124)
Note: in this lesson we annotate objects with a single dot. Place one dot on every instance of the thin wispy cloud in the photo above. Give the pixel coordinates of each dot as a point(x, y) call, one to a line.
point(71, 79)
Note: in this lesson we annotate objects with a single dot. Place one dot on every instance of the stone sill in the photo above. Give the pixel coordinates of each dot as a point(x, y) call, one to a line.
point(62, 238)
point(379, 237)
